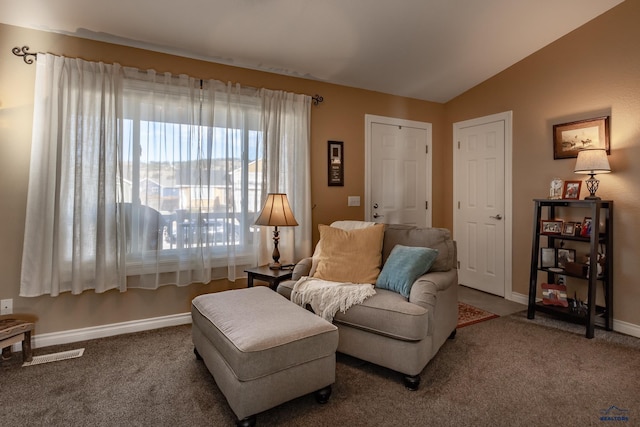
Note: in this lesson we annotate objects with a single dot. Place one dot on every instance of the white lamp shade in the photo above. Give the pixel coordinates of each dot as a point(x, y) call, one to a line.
point(276, 211)
point(592, 161)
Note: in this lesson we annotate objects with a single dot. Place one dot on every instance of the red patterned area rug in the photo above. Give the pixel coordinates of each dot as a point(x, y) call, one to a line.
point(468, 315)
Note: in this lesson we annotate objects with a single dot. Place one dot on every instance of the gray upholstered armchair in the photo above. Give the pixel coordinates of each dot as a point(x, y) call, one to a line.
point(394, 331)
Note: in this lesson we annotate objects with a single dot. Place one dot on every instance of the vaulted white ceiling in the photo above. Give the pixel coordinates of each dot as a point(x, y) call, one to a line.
point(426, 49)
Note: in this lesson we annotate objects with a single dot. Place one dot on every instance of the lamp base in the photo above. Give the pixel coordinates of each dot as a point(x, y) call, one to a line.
point(275, 265)
point(592, 186)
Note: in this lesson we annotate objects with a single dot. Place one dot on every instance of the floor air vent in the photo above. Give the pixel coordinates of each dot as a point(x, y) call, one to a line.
point(55, 357)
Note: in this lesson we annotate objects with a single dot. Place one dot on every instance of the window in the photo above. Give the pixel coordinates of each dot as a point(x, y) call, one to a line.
point(139, 179)
point(202, 197)
point(191, 171)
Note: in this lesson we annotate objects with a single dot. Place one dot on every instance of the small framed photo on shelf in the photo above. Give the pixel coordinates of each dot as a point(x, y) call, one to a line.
point(569, 228)
point(571, 190)
point(555, 190)
point(585, 231)
point(551, 226)
point(564, 256)
point(547, 257)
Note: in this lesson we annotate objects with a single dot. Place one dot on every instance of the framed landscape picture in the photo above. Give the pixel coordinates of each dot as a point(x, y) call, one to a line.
point(570, 138)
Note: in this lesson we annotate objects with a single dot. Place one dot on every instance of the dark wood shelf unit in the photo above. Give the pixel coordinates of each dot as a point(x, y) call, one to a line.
point(565, 313)
point(600, 211)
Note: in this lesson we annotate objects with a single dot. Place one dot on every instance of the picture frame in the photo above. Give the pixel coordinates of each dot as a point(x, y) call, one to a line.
point(571, 190)
point(335, 163)
point(547, 257)
point(570, 138)
point(564, 256)
point(551, 226)
point(555, 189)
point(553, 294)
point(585, 231)
point(569, 228)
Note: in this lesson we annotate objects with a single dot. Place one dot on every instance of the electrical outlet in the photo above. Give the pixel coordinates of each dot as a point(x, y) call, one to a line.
point(6, 306)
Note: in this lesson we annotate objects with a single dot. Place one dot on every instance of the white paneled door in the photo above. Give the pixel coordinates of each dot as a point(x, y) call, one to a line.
point(399, 172)
point(479, 210)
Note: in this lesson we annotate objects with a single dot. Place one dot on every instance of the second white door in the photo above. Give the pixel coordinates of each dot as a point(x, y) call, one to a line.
point(479, 214)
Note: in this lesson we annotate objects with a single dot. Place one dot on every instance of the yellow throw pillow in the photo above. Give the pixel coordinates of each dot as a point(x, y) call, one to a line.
point(350, 256)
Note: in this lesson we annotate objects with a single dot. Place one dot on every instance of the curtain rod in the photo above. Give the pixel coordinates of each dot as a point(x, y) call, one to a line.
point(27, 58)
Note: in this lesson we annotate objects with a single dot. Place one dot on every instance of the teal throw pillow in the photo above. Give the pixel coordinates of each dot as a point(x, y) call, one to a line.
point(404, 265)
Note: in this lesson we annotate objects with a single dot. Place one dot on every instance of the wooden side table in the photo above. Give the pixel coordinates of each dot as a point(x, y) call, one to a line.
point(264, 273)
point(13, 331)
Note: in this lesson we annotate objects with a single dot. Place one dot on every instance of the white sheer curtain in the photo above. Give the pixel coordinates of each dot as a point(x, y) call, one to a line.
point(141, 179)
point(286, 128)
point(71, 241)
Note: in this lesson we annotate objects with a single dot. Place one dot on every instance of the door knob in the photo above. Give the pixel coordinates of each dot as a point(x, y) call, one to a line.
point(498, 217)
point(375, 215)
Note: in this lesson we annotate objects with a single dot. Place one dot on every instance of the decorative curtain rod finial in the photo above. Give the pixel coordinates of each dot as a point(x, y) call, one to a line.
point(317, 99)
point(23, 52)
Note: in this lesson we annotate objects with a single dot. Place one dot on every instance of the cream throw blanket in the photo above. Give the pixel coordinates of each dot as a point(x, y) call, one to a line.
point(326, 298)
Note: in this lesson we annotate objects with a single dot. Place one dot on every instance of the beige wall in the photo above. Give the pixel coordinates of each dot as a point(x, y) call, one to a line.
point(340, 117)
point(592, 71)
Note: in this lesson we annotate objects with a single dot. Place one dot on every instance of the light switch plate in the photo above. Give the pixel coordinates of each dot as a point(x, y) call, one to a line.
point(353, 201)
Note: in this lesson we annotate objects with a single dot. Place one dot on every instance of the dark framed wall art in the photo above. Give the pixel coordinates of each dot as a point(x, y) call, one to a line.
point(570, 138)
point(336, 163)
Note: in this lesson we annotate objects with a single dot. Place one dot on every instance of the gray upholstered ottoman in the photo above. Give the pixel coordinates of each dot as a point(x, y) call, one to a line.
point(262, 349)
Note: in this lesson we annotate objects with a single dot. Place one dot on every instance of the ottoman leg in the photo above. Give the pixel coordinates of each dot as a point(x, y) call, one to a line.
point(249, 421)
point(322, 395)
point(412, 382)
point(6, 353)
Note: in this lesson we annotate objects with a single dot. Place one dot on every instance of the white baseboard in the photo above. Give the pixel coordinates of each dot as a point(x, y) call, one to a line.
point(519, 298)
point(618, 325)
point(76, 335)
point(626, 328)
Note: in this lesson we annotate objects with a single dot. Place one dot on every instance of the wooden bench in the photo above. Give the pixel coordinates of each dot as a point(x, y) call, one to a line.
point(13, 331)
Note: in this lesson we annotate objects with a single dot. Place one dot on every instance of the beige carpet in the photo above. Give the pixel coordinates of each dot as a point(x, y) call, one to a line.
point(509, 371)
point(469, 315)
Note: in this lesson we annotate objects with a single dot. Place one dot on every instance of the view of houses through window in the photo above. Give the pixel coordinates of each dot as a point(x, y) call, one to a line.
point(189, 186)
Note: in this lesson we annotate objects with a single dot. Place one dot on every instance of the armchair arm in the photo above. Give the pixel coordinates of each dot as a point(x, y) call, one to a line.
point(437, 289)
point(302, 268)
point(424, 291)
